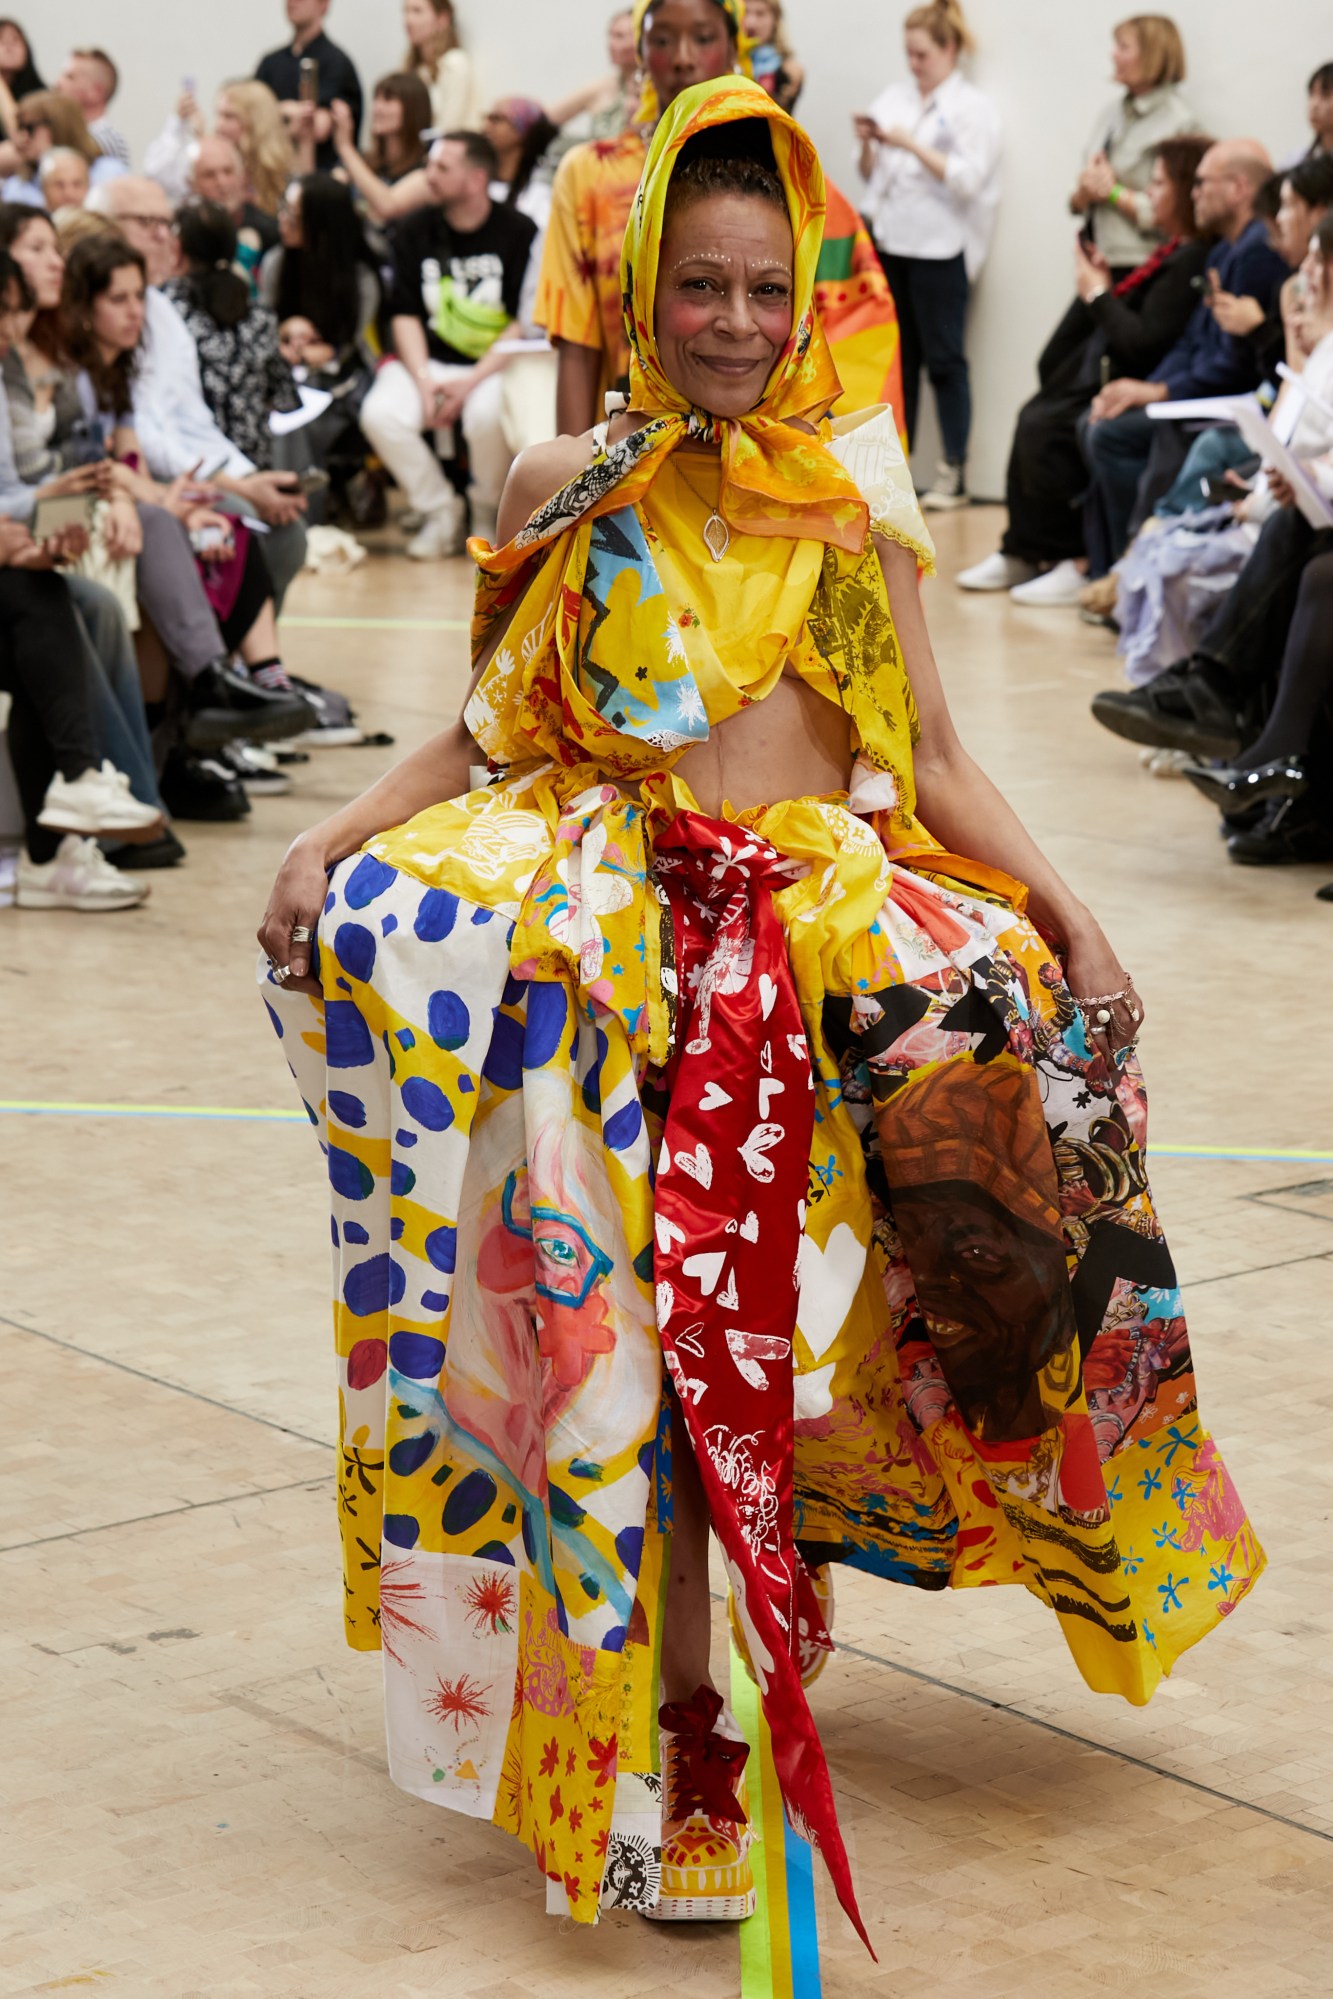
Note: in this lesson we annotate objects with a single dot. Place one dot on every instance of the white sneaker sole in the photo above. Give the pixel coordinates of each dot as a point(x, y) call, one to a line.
point(701, 1908)
point(90, 905)
point(944, 503)
point(60, 821)
point(327, 739)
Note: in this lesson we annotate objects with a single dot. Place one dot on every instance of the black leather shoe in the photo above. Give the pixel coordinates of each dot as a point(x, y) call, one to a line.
point(166, 852)
point(1178, 710)
point(1324, 894)
point(1231, 790)
point(199, 788)
point(222, 704)
point(1286, 835)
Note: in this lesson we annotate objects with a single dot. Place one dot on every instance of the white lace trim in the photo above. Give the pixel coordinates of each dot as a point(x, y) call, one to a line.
point(866, 443)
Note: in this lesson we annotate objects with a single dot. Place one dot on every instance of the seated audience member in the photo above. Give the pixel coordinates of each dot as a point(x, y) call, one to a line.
point(322, 287)
point(396, 156)
point(458, 271)
point(772, 59)
point(68, 798)
point(243, 374)
point(218, 175)
point(521, 133)
point(1124, 329)
point(63, 176)
point(322, 271)
point(92, 79)
point(435, 54)
point(68, 788)
point(335, 76)
point(45, 119)
point(58, 446)
point(1119, 437)
point(178, 433)
point(1266, 649)
point(1148, 62)
point(102, 632)
point(102, 325)
point(1290, 203)
point(602, 109)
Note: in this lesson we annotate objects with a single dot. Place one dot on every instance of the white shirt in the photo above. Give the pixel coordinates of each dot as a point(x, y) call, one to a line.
point(174, 424)
point(910, 212)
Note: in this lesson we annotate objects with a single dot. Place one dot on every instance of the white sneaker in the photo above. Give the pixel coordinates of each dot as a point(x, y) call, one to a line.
point(80, 877)
point(1064, 584)
point(258, 770)
point(442, 533)
point(96, 801)
point(949, 489)
point(997, 572)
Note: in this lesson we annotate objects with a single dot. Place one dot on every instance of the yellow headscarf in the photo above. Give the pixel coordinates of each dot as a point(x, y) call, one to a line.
point(649, 108)
point(774, 480)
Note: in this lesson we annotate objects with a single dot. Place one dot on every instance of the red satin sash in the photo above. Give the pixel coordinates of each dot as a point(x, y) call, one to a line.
point(729, 1207)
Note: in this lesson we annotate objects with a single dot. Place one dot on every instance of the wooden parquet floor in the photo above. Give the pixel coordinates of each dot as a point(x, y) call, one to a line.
point(195, 1804)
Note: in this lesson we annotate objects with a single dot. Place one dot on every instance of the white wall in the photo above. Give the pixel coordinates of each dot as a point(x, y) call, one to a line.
point(1044, 61)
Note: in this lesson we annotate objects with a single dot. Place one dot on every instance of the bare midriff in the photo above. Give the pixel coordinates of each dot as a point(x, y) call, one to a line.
point(792, 744)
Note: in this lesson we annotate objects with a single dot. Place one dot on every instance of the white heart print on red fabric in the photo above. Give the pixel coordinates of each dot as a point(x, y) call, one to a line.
point(705, 1268)
point(748, 1350)
point(698, 1164)
point(761, 1140)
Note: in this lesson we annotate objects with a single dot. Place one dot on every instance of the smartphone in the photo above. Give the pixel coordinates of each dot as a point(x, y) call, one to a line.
point(1086, 237)
point(190, 86)
point(207, 541)
point(1217, 490)
point(308, 88)
point(66, 510)
point(315, 480)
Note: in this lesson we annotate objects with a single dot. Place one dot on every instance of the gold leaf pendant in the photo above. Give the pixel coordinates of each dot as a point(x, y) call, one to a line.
point(717, 536)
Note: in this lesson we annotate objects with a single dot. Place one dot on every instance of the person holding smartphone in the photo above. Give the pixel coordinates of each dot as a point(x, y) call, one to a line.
point(305, 93)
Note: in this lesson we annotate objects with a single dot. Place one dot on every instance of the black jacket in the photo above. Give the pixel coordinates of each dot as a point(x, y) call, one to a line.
point(1132, 334)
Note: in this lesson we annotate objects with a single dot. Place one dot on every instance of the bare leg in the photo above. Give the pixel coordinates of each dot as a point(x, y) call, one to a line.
point(261, 641)
point(154, 666)
point(687, 1624)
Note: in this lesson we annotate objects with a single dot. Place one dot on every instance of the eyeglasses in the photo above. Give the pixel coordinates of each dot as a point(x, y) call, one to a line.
point(157, 225)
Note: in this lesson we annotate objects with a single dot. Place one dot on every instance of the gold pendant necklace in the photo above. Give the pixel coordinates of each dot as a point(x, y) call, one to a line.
point(716, 533)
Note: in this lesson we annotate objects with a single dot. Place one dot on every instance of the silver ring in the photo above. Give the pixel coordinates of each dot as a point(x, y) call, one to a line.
point(300, 935)
point(281, 974)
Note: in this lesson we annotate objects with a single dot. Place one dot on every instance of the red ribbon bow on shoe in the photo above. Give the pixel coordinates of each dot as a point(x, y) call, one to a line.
point(706, 1767)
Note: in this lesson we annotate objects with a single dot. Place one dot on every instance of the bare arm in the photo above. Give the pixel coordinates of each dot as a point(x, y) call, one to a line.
point(592, 97)
point(578, 370)
point(968, 813)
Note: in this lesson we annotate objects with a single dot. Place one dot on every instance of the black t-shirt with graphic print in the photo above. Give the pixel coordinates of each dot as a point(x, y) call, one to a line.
point(463, 285)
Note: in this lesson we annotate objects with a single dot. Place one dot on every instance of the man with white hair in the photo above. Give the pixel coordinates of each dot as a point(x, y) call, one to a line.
point(63, 177)
point(176, 429)
point(92, 79)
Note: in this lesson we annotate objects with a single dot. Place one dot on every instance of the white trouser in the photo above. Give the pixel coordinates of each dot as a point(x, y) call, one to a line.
point(391, 419)
point(529, 400)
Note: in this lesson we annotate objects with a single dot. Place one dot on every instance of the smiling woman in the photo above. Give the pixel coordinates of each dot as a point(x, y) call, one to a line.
point(684, 1004)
